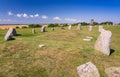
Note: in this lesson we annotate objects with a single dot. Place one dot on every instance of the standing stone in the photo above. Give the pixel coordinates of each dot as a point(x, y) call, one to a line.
point(43, 29)
point(103, 42)
point(11, 32)
point(69, 27)
point(79, 27)
point(52, 28)
point(90, 28)
point(33, 31)
point(62, 26)
point(100, 28)
point(88, 70)
point(113, 72)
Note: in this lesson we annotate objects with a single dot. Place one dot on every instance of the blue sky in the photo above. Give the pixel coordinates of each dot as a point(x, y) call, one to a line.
point(58, 11)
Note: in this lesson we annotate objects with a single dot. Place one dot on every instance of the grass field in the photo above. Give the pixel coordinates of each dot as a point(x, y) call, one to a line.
point(65, 50)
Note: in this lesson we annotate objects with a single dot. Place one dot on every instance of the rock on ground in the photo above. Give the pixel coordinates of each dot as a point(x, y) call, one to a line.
point(88, 70)
point(113, 72)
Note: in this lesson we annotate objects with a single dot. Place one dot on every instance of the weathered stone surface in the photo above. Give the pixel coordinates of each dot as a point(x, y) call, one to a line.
point(69, 27)
point(11, 32)
point(88, 70)
point(79, 27)
point(33, 31)
point(113, 72)
point(43, 29)
point(103, 42)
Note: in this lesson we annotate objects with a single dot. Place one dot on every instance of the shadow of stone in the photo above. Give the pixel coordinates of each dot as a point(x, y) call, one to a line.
point(18, 35)
point(112, 51)
point(12, 39)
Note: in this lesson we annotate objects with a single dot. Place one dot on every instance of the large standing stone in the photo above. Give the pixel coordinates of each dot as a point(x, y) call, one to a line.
point(103, 42)
point(88, 70)
point(69, 27)
point(79, 27)
point(113, 72)
point(11, 32)
point(43, 29)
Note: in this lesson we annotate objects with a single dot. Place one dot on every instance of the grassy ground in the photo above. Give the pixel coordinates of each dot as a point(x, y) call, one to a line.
point(65, 50)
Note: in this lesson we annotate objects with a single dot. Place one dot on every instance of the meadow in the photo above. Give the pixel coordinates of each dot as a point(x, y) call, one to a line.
point(64, 51)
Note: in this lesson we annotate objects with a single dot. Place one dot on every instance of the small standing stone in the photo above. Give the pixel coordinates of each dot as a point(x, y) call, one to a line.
point(43, 29)
point(62, 26)
point(103, 42)
point(79, 27)
point(69, 27)
point(100, 28)
point(53, 28)
point(33, 31)
point(11, 32)
point(113, 71)
point(90, 28)
point(88, 70)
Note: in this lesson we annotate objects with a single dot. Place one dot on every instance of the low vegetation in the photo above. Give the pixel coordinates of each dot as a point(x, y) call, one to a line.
point(64, 51)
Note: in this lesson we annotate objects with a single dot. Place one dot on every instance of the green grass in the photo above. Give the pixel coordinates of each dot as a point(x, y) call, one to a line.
point(65, 50)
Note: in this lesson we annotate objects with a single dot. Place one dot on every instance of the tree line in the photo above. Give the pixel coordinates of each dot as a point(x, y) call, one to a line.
point(75, 24)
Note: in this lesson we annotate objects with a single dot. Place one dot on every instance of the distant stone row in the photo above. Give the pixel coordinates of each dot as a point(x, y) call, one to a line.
point(102, 44)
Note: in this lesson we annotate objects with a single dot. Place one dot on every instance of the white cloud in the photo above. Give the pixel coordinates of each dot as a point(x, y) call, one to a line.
point(25, 15)
point(10, 13)
point(44, 17)
point(5, 20)
point(19, 15)
point(71, 19)
point(32, 16)
point(57, 18)
point(36, 15)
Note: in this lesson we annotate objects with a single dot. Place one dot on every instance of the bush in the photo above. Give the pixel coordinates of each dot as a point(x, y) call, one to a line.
point(53, 25)
point(34, 25)
point(17, 27)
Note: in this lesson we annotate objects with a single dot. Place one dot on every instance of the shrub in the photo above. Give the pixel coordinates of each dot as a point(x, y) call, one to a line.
point(53, 25)
point(34, 25)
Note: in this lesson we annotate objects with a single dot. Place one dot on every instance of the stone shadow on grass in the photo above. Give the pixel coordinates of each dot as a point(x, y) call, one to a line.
point(12, 39)
point(112, 51)
point(18, 35)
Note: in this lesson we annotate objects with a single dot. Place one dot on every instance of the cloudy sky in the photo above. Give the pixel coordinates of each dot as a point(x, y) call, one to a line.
point(58, 11)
